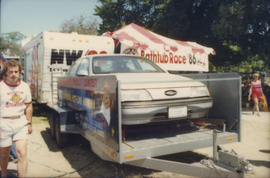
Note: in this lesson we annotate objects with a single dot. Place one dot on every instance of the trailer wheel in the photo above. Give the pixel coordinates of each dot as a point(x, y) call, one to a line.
point(51, 118)
point(61, 138)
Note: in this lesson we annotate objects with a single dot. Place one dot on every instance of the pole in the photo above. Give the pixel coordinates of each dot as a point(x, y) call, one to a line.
point(215, 156)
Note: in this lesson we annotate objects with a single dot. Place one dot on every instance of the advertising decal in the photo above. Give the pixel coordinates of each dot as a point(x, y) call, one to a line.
point(96, 96)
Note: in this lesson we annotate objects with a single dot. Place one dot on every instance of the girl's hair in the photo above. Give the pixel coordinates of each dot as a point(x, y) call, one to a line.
point(255, 75)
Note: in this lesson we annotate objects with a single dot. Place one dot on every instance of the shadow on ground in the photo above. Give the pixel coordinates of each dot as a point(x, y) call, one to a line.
point(260, 163)
point(11, 174)
point(40, 110)
point(265, 151)
point(79, 155)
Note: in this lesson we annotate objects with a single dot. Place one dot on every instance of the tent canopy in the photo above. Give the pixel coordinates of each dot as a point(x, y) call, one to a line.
point(170, 54)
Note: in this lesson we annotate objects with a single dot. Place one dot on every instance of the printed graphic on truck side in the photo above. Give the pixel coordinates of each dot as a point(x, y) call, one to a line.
point(57, 55)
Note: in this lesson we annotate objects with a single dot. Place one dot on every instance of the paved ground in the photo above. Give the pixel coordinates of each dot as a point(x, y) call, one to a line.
point(77, 159)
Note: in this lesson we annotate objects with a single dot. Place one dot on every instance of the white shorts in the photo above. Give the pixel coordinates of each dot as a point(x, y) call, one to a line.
point(12, 130)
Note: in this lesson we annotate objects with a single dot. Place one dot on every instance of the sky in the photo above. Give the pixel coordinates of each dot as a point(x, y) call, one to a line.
point(31, 17)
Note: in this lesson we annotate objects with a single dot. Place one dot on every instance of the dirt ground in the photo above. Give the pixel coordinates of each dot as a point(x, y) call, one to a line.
point(77, 159)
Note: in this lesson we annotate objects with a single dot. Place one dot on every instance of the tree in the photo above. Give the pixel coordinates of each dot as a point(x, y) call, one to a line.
point(81, 25)
point(115, 14)
point(238, 30)
point(11, 44)
point(14, 37)
point(3, 45)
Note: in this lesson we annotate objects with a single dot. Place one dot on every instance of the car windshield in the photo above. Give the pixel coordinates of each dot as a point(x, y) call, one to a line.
point(123, 64)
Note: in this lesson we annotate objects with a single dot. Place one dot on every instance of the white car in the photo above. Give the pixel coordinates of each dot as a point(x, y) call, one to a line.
point(148, 93)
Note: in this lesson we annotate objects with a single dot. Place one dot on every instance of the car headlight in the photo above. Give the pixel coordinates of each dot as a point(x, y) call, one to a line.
point(200, 91)
point(135, 95)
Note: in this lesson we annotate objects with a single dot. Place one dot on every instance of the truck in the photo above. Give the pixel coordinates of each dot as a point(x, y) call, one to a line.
point(49, 55)
point(131, 111)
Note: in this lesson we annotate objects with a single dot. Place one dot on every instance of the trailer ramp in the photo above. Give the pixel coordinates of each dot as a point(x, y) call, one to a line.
point(224, 163)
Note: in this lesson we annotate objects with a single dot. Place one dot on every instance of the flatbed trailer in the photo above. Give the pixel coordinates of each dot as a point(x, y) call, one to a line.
point(141, 145)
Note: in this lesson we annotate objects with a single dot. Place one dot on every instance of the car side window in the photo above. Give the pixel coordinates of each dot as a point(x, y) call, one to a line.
point(83, 68)
point(73, 68)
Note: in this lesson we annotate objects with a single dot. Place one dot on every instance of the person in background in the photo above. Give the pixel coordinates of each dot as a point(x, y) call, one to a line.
point(263, 79)
point(15, 117)
point(256, 93)
point(13, 155)
point(267, 94)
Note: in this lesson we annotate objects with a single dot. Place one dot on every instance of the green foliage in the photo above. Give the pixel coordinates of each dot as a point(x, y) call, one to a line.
point(238, 30)
point(230, 23)
point(15, 49)
point(3, 45)
point(243, 29)
point(115, 14)
point(14, 37)
point(9, 43)
point(252, 65)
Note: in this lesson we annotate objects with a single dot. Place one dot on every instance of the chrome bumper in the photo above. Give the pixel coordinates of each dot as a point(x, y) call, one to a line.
point(134, 113)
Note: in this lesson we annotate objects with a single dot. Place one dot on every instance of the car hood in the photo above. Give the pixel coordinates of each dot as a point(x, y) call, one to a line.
point(155, 80)
point(160, 86)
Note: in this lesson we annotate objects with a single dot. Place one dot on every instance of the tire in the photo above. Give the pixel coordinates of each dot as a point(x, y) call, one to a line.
point(60, 138)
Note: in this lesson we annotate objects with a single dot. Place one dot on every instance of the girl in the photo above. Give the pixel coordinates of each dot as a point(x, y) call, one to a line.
point(256, 92)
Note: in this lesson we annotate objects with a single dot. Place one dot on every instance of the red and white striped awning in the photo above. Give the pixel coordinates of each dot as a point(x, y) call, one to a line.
point(168, 53)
